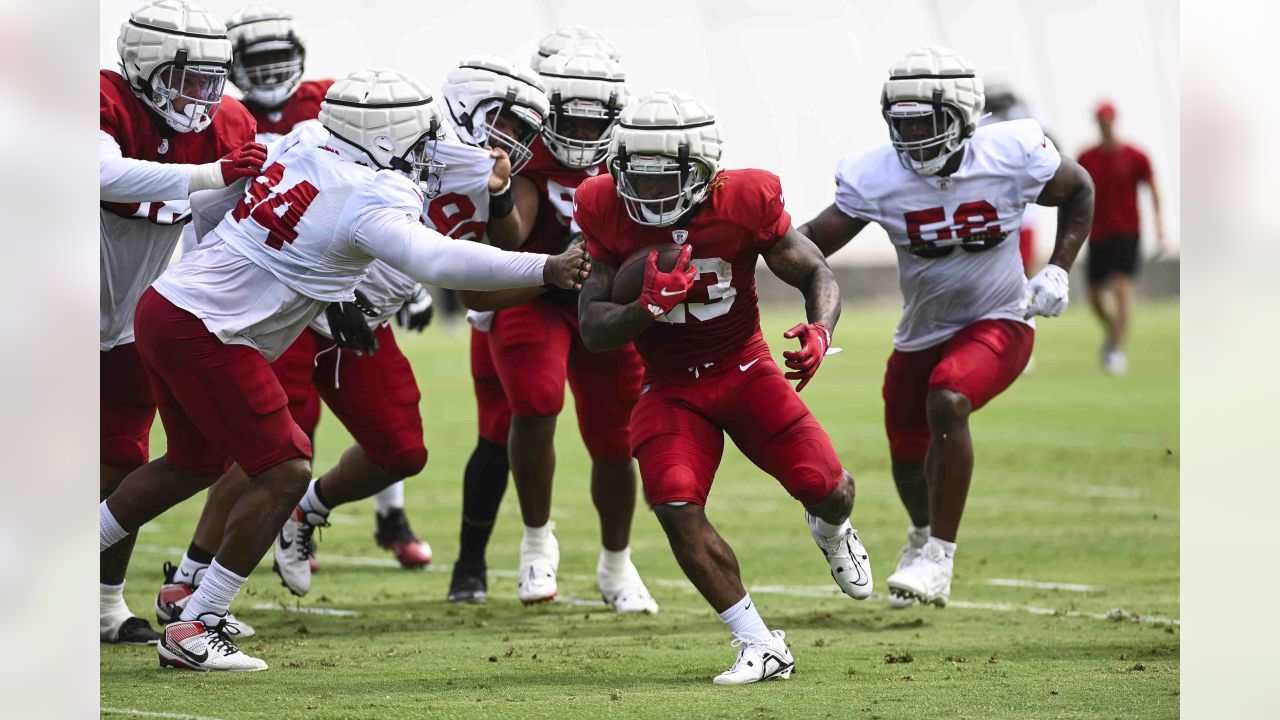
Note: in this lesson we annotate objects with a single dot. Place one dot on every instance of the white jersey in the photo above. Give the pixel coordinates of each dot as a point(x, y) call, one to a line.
point(956, 236)
point(459, 211)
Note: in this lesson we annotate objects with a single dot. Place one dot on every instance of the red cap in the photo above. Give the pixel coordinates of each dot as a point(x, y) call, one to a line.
point(1105, 111)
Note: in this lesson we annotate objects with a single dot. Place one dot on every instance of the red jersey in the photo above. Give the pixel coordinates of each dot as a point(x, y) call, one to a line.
point(302, 106)
point(143, 137)
point(1116, 174)
point(556, 187)
point(742, 218)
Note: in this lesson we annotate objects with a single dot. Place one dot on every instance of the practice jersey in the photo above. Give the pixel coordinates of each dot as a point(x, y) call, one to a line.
point(956, 236)
point(743, 217)
point(287, 249)
point(460, 211)
point(556, 187)
point(137, 239)
point(303, 105)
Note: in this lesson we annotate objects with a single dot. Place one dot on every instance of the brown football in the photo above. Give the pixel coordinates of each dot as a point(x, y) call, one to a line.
point(629, 280)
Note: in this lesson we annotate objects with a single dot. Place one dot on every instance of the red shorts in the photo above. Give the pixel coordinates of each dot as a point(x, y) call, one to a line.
point(492, 410)
point(979, 362)
point(375, 397)
point(536, 347)
point(216, 400)
point(126, 409)
point(679, 425)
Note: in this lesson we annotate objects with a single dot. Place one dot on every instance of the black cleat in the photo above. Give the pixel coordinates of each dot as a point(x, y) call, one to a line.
point(135, 631)
point(393, 533)
point(468, 584)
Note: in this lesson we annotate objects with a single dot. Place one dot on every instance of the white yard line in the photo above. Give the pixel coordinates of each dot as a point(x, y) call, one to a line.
point(1038, 585)
point(305, 610)
point(148, 713)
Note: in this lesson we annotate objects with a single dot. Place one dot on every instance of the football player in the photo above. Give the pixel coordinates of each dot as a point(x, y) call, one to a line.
point(536, 347)
point(332, 198)
point(707, 367)
point(165, 130)
point(950, 195)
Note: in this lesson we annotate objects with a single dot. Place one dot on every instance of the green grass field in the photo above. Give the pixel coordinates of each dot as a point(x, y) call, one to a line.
point(1076, 482)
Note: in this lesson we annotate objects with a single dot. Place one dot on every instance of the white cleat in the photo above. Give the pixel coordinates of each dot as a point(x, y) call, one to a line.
point(539, 561)
point(1114, 361)
point(759, 660)
point(909, 553)
point(195, 645)
point(624, 591)
point(175, 595)
point(927, 579)
point(850, 567)
point(294, 546)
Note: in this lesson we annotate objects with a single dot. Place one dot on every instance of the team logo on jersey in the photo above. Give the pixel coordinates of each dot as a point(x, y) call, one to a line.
point(164, 146)
point(679, 236)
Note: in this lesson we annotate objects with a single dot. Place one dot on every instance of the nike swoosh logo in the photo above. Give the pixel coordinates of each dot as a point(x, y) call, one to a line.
point(664, 293)
point(190, 655)
point(747, 367)
point(286, 544)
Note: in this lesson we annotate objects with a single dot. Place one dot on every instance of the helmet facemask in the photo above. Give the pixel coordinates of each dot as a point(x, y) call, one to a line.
point(578, 130)
point(925, 134)
point(522, 126)
point(269, 72)
point(420, 164)
point(187, 96)
point(658, 190)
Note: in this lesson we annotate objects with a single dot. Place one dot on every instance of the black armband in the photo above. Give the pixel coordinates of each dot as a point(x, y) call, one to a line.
point(502, 204)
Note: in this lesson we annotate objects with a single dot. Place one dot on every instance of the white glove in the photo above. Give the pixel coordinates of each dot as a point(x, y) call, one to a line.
point(1046, 293)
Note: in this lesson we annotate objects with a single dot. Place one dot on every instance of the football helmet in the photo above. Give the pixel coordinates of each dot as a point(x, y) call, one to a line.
point(663, 155)
point(482, 90)
point(586, 89)
point(266, 54)
point(561, 38)
point(390, 118)
point(175, 55)
point(937, 86)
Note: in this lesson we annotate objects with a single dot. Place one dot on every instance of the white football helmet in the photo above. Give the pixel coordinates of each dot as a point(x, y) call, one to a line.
point(266, 54)
point(664, 153)
point(937, 84)
point(175, 55)
point(562, 38)
point(392, 119)
point(587, 90)
point(481, 90)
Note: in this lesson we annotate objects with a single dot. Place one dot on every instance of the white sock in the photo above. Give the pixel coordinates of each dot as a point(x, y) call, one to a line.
point(538, 535)
point(614, 562)
point(311, 502)
point(390, 498)
point(947, 547)
point(112, 609)
point(744, 620)
point(190, 571)
point(918, 536)
point(218, 588)
point(109, 531)
point(823, 529)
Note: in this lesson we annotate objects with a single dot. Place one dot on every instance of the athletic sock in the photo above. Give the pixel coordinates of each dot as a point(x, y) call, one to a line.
point(918, 536)
point(109, 531)
point(947, 547)
point(390, 498)
point(483, 484)
point(614, 562)
point(538, 535)
point(823, 529)
point(112, 609)
point(218, 588)
point(313, 501)
point(744, 620)
point(193, 566)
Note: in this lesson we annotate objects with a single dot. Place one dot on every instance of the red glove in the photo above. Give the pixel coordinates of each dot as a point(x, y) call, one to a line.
point(665, 290)
point(815, 338)
point(245, 161)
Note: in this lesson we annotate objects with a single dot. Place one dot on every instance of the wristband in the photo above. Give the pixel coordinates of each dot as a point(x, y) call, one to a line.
point(501, 205)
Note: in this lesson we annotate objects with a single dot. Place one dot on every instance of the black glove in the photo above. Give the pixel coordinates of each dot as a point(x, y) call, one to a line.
point(349, 324)
point(416, 312)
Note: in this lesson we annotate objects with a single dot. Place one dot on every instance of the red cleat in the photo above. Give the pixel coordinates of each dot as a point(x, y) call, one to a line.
point(393, 533)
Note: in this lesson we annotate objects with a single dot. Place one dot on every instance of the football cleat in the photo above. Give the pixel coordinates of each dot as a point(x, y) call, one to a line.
point(173, 599)
point(927, 579)
point(130, 631)
point(393, 533)
point(624, 591)
point(197, 645)
point(539, 561)
point(313, 563)
point(1114, 361)
point(850, 567)
point(469, 584)
point(294, 546)
point(759, 660)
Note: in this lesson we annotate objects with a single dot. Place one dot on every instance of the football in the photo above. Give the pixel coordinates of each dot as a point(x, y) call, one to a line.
point(629, 280)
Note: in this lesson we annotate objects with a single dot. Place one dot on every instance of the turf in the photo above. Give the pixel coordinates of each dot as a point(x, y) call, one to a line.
point(1076, 481)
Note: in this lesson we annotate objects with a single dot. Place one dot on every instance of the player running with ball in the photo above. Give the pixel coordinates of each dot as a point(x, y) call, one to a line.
point(707, 367)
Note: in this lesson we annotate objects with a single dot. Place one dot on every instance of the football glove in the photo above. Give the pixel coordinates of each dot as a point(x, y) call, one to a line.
point(1046, 293)
point(665, 290)
point(349, 324)
point(416, 312)
point(245, 161)
point(815, 339)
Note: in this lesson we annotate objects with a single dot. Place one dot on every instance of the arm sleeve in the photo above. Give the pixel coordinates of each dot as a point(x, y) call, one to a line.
point(1040, 158)
point(122, 179)
point(1144, 167)
point(425, 255)
point(774, 218)
point(848, 200)
point(585, 215)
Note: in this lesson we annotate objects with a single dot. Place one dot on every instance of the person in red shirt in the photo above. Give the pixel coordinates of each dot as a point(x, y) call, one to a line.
point(1117, 169)
point(707, 368)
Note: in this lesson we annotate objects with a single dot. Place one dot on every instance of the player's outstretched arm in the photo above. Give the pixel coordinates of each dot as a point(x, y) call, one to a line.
point(1071, 191)
point(831, 229)
point(800, 264)
point(604, 324)
point(122, 179)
